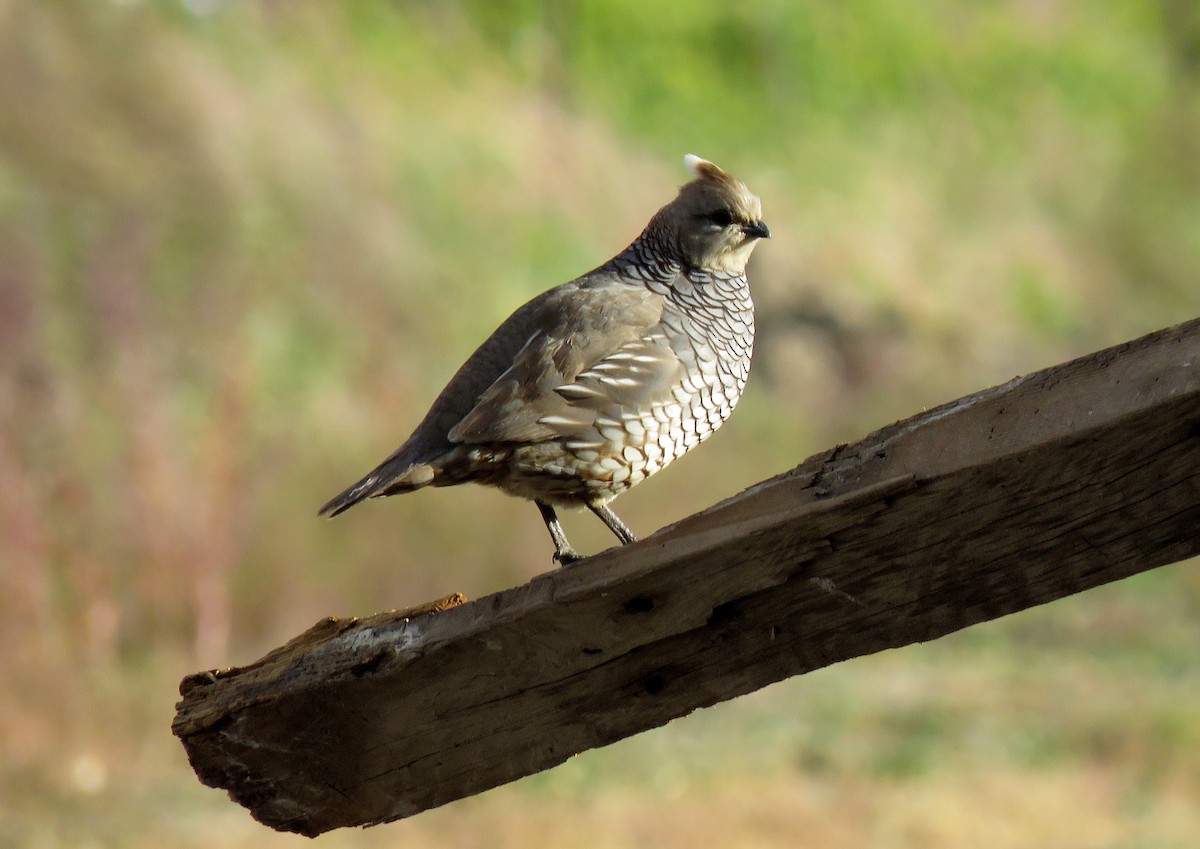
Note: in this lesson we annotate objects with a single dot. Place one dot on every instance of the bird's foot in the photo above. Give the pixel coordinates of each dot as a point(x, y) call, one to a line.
point(567, 556)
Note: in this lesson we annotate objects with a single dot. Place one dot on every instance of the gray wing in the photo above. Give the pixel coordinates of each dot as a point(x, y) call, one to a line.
point(600, 352)
point(586, 349)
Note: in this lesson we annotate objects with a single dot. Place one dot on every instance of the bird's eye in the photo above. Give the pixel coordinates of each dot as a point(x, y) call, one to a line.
point(721, 218)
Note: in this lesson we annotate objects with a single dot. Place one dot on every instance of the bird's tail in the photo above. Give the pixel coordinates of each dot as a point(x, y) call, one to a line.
point(394, 475)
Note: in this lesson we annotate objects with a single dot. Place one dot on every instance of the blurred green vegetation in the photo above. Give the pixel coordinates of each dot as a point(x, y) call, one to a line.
point(242, 245)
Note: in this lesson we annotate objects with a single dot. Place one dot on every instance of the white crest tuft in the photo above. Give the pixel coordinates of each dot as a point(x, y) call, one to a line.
point(693, 162)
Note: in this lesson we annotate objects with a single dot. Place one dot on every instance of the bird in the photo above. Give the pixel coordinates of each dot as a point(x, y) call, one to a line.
point(596, 384)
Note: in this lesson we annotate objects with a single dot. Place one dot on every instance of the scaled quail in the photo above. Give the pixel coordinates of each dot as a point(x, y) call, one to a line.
point(597, 384)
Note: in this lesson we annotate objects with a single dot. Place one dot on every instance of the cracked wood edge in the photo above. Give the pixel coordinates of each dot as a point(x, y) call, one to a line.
point(1047, 485)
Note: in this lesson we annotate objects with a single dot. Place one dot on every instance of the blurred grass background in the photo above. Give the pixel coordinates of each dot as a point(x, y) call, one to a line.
point(243, 244)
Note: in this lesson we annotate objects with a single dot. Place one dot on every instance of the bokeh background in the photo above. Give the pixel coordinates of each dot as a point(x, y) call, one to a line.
point(243, 244)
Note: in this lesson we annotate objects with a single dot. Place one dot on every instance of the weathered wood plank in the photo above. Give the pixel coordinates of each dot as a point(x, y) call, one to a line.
point(1048, 485)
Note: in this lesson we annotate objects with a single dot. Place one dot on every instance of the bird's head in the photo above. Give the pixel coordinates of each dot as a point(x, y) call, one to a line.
point(715, 220)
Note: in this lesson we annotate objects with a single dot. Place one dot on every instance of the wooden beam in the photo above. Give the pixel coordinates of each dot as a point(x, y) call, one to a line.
point(1046, 486)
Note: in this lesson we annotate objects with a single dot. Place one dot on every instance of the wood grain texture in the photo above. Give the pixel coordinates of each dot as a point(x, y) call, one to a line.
point(1053, 483)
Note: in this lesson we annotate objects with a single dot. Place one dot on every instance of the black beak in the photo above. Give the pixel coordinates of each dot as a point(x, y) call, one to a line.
point(757, 229)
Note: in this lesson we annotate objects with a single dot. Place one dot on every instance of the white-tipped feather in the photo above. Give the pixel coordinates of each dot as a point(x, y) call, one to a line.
point(693, 162)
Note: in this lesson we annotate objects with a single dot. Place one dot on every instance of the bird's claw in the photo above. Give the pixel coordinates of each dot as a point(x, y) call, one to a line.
point(567, 557)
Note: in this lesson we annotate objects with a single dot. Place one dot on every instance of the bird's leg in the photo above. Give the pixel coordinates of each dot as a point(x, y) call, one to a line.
point(563, 552)
point(608, 517)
